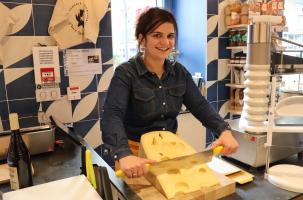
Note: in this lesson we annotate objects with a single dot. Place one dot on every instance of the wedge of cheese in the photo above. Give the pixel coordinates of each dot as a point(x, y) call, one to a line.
point(163, 145)
point(171, 181)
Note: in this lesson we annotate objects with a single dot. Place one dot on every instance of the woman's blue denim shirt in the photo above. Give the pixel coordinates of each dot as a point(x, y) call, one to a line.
point(138, 102)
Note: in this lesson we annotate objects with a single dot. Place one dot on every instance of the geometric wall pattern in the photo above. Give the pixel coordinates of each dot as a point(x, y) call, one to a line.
point(218, 73)
point(17, 84)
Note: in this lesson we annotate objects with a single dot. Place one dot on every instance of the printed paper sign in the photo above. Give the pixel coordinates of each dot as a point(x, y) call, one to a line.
point(82, 62)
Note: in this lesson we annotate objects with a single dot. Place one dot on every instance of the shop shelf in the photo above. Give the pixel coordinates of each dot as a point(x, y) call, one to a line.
point(238, 26)
point(234, 85)
point(237, 48)
point(235, 65)
point(235, 112)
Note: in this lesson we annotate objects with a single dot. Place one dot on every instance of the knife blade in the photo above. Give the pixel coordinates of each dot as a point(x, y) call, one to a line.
point(182, 162)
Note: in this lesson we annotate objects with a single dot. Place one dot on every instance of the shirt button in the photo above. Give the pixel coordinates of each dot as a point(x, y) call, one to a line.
point(163, 103)
point(160, 86)
point(163, 129)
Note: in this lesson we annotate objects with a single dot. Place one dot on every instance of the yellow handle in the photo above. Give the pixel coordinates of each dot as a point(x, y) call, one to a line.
point(217, 150)
point(120, 173)
point(90, 174)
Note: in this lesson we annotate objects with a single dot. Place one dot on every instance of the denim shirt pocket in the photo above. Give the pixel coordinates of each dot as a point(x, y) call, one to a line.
point(144, 102)
point(176, 96)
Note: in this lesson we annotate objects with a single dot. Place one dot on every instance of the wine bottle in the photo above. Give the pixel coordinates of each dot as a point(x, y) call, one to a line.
point(18, 157)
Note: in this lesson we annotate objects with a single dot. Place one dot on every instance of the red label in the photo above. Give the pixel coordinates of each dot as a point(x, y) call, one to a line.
point(47, 74)
point(74, 88)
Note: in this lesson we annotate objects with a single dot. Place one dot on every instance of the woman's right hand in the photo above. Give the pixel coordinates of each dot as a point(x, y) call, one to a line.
point(134, 166)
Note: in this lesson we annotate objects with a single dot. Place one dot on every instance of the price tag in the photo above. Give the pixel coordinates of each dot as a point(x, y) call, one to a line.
point(281, 5)
point(264, 7)
point(274, 5)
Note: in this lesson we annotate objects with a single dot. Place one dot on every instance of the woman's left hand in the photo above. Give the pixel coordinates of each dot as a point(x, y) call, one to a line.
point(227, 140)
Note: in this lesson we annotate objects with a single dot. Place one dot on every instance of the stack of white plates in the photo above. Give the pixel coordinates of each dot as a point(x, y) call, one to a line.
point(256, 84)
point(257, 67)
point(255, 109)
point(257, 75)
point(256, 102)
point(253, 127)
point(256, 93)
point(254, 118)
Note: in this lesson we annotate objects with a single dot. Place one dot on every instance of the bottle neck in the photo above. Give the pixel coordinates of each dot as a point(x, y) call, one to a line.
point(15, 133)
point(13, 121)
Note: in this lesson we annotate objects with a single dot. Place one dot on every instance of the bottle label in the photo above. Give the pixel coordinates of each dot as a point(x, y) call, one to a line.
point(14, 181)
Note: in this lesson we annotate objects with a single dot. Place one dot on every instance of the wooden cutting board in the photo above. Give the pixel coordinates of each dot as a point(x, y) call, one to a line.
point(147, 191)
point(4, 174)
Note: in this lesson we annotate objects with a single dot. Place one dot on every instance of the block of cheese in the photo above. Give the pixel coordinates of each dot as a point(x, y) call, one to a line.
point(171, 181)
point(163, 145)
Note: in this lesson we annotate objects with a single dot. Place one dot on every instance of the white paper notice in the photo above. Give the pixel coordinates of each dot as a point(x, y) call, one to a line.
point(79, 62)
point(222, 167)
point(46, 65)
point(73, 188)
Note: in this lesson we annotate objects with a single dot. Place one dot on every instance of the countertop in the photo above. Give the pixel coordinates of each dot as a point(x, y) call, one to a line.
point(65, 162)
point(260, 188)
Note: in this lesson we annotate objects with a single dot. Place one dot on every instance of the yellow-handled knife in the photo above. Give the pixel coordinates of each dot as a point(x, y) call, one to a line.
point(182, 162)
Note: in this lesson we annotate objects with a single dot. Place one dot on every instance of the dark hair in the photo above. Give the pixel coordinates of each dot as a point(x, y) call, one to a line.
point(151, 19)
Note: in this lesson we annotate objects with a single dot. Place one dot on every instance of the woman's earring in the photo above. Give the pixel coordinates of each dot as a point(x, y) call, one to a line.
point(142, 49)
point(173, 55)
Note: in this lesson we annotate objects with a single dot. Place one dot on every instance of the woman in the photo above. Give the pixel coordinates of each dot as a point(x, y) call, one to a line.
point(147, 92)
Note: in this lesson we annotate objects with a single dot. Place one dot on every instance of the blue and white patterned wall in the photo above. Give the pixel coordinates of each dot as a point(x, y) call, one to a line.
point(218, 73)
point(17, 86)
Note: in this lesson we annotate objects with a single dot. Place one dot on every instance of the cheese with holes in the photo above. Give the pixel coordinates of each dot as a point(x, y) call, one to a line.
point(171, 181)
point(164, 145)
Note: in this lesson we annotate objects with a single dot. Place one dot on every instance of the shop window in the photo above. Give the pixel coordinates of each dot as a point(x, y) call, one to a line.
point(124, 15)
point(294, 17)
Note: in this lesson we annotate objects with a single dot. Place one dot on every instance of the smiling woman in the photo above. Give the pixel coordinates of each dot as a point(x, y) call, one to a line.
point(146, 94)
